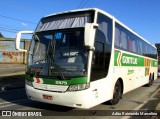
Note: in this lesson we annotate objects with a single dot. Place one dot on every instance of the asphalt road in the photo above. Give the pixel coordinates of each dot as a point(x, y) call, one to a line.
point(141, 98)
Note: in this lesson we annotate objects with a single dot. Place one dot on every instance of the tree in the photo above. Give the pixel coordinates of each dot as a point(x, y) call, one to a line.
point(1, 36)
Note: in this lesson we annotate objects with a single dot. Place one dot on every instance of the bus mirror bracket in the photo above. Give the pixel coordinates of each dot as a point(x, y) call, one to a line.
point(18, 39)
point(90, 30)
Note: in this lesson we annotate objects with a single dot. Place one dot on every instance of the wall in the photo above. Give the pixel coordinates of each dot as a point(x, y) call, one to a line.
point(8, 53)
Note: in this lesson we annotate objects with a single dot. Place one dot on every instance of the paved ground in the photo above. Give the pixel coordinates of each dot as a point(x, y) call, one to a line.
point(11, 76)
point(140, 100)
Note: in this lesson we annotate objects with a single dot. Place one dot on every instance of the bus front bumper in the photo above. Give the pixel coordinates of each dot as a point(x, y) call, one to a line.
point(76, 99)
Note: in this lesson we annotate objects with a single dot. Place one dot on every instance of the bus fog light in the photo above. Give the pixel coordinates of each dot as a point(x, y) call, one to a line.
point(78, 105)
point(78, 87)
point(29, 83)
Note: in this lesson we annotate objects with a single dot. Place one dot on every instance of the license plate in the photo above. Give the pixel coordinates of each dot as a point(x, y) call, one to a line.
point(48, 97)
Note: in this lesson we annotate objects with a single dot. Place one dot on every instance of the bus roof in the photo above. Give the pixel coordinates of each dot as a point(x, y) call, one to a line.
point(107, 14)
point(72, 11)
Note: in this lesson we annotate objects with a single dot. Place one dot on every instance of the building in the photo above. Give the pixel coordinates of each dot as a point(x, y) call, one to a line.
point(158, 51)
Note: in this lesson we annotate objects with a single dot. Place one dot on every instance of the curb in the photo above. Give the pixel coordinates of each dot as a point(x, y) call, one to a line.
point(158, 106)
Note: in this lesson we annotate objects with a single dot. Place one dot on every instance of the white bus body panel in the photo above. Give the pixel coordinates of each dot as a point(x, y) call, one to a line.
point(99, 91)
point(66, 99)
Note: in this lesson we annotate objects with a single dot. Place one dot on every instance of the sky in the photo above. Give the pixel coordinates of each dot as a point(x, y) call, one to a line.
point(142, 16)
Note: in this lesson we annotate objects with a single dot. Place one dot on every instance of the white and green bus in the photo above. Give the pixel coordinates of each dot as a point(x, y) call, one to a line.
point(82, 58)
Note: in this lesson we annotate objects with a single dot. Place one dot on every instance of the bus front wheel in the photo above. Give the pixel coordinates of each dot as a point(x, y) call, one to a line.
point(117, 94)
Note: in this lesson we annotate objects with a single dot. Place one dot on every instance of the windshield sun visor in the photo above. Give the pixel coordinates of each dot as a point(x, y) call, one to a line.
point(65, 21)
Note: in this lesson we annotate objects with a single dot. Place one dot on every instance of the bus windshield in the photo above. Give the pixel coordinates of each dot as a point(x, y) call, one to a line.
point(58, 54)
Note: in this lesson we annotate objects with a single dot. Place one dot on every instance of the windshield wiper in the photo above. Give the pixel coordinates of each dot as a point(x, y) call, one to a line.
point(51, 54)
point(56, 71)
point(38, 40)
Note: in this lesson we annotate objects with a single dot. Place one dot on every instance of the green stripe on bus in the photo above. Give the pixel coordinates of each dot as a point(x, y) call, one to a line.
point(72, 81)
point(154, 63)
point(124, 59)
point(29, 78)
point(116, 53)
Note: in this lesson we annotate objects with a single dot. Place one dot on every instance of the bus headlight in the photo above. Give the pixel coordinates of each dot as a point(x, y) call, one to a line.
point(29, 83)
point(78, 87)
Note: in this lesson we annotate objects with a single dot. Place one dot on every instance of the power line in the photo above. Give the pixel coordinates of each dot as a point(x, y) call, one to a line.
point(17, 19)
point(79, 6)
point(92, 2)
point(10, 28)
point(84, 3)
point(10, 31)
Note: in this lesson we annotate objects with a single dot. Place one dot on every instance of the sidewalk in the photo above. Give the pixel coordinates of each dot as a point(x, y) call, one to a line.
point(158, 106)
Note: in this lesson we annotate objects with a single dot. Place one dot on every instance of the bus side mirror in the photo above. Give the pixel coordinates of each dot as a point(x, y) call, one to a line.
point(18, 39)
point(90, 30)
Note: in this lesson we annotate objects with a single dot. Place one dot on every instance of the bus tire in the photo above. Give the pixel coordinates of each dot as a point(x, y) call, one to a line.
point(117, 94)
point(151, 79)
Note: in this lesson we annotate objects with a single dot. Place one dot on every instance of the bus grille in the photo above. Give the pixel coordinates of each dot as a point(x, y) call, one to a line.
point(50, 87)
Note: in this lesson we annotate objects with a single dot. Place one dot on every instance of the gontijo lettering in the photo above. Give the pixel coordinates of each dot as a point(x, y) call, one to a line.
point(129, 60)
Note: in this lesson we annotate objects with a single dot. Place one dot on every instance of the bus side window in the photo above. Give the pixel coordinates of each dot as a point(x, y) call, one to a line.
point(132, 44)
point(103, 43)
point(117, 37)
point(124, 40)
point(98, 62)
